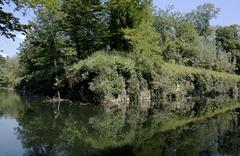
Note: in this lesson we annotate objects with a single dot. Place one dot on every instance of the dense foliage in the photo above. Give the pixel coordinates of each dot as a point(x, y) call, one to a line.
point(177, 80)
point(61, 53)
point(8, 71)
point(228, 39)
point(8, 23)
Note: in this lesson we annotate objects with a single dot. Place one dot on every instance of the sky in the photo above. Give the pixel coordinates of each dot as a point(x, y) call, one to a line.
point(230, 14)
point(8, 47)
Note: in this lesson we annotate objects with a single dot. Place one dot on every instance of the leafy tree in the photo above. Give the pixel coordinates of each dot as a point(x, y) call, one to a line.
point(2, 64)
point(3, 79)
point(8, 23)
point(211, 57)
point(2, 60)
point(46, 52)
point(228, 38)
point(166, 21)
point(122, 15)
point(84, 22)
point(8, 71)
point(142, 37)
point(129, 22)
point(201, 17)
point(177, 36)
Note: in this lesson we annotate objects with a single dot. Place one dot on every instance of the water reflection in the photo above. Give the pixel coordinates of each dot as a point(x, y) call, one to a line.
point(189, 127)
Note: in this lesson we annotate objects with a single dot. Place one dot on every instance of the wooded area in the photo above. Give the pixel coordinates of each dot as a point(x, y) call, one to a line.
point(92, 49)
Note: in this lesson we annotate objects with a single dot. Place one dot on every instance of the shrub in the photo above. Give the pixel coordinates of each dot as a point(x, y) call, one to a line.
point(105, 74)
point(187, 81)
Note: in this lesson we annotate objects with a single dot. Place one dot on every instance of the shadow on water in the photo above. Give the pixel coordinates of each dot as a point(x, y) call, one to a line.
point(185, 128)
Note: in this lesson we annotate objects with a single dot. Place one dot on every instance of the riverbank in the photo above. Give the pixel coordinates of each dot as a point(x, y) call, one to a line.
point(177, 81)
point(114, 79)
point(188, 81)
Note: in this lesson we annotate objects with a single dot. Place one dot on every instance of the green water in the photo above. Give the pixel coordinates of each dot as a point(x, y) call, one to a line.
point(198, 127)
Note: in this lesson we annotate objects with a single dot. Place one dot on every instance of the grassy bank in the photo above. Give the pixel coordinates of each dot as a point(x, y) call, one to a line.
point(103, 76)
point(181, 80)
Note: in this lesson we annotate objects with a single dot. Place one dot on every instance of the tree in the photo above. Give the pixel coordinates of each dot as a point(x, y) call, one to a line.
point(125, 15)
point(201, 17)
point(129, 22)
point(228, 38)
point(8, 23)
point(46, 53)
point(121, 16)
point(104, 48)
point(84, 22)
point(177, 36)
point(211, 57)
point(3, 79)
point(2, 63)
point(8, 71)
point(142, 38)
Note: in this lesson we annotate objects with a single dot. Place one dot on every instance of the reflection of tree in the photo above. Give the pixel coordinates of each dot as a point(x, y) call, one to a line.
point(9, 103)
point(39, 130)
point(191, 139)
point(230, 141)
point(139, 130)
point(44, 134)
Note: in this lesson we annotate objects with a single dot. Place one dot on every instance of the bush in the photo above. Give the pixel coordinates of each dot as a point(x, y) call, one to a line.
point(110, 75)
point(106, 75)
point(180, 80)
point(103, 76)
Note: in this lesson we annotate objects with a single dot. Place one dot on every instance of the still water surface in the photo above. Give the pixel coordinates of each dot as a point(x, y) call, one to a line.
point(198, 127)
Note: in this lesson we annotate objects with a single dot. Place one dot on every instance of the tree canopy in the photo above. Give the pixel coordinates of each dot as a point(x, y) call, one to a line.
point(76, 46)
point(201, 17)
point(8, 23)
